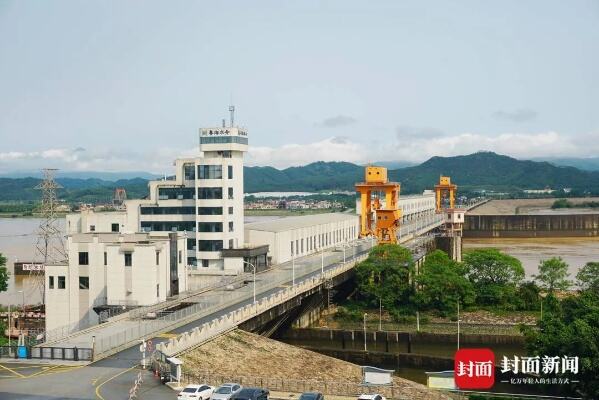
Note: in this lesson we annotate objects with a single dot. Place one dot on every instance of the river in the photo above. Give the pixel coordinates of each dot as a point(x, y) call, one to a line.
point(531, 251)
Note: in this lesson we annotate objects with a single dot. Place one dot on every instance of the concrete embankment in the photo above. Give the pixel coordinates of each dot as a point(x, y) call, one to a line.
point(526, 226)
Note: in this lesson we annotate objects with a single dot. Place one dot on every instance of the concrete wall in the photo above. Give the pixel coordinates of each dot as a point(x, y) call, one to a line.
point(556, 225)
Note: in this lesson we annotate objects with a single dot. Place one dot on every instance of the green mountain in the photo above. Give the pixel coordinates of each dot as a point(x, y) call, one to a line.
point(483, 170)
point(487, 170)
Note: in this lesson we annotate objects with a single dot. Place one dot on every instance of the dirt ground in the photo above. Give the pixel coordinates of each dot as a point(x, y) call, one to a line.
point(243, 354)
point(530, 206)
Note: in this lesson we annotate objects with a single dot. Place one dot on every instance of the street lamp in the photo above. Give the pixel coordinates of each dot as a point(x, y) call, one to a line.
point(254, 270)
point(365, 331)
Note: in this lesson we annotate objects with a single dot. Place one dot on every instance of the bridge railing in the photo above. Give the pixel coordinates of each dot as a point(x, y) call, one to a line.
point(208, 330)
point(113, 343)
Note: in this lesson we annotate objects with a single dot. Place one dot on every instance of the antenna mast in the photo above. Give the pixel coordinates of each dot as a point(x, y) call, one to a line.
point(232, 112)
point(50, 242)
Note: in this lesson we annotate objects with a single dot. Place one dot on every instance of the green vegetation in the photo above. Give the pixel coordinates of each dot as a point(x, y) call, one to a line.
point(564, 203)
point(553, 275)
point(487, 279)
point(495, 276)
point(386, 276)
point(442, 283)
point(570, 327)
point(22, 209)
point(3, 274)
point(588, 277)
point(288, 213)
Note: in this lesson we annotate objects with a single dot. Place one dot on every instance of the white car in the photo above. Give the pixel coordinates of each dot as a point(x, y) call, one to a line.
point(196, 392)
point(225, 391)
point(371, 397)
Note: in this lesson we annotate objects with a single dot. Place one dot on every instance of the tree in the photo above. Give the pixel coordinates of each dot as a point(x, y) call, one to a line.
point(571, 329)
point(442, 283)
point(553, 274)
point(385, 275)
point(588, 277)
point(3, 274)
point(494, 275)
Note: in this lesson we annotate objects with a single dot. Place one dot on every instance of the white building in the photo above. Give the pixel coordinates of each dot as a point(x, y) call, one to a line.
point(300, 236)
point(113, 269)
point(412, 206)
point(204, 200)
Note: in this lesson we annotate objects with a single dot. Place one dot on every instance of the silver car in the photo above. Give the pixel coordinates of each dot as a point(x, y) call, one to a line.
point(225, 391)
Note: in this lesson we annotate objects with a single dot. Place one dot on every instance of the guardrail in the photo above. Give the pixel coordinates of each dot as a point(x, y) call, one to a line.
point(47, 353)
point(208, 330)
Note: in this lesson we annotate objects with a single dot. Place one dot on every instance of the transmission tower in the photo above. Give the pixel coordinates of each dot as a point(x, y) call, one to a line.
point(50, 243)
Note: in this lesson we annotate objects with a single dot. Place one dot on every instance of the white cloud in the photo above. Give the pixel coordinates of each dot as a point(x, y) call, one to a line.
point(416, 148)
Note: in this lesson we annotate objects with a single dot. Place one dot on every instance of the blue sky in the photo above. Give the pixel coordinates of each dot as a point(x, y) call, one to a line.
point(114, 85)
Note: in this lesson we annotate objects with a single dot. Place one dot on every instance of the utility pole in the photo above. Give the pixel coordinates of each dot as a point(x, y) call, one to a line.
point(458, 323)
point(50, 244)
point(365, 315)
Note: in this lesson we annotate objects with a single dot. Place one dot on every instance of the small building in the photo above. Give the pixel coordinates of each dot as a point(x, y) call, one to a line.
point(113, 269)
point(303, 235)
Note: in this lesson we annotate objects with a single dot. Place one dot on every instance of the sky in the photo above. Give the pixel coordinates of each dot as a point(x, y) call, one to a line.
point(124, 86)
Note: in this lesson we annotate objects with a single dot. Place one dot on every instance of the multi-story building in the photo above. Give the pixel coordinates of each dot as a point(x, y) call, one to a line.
point(109, 270)
point(204, 201)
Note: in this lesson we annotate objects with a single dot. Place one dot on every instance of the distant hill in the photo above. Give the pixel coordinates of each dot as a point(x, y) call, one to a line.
point(483, 170)
point(588, 164)
point(488, 170)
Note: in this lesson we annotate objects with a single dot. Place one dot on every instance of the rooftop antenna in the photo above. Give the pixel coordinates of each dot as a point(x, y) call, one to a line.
point(232, 112)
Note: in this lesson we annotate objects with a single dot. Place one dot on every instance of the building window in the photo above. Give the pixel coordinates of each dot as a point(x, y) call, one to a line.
point(210, 171)
point(210, 211)
point(157, 290)
point(128, 259)
point(231, 243)
point(223, 139)
point(210, 193)
point(176, 193)
point(92, 228)
point(84, 282)
point(205, 263)
point(166, 211)
point(230, 210)
point(180, 256)
point(210, 226)
point(302, 252)
point(210, 245)
point(230, 193)
point(62, 282)
point(230, 172)
point(296, 246)
point(83, 258)
point(230, 226)
point(191, 244)
point(50, 282)
point(114, 227)
point(157, 258)
point(168, 226)
point(105, 258)
point(189, 172)
point(291, 247)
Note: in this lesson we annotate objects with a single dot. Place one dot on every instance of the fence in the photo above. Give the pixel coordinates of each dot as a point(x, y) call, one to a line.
point(296, 386)
point(47, 353)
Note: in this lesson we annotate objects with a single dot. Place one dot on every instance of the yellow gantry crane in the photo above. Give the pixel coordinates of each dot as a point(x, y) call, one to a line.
point(445, 187)
point(375, 218)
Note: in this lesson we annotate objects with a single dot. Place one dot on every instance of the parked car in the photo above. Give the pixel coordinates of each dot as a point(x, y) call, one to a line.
point(371, 397)
point(196, 392)
point(311, 396)
point(251, 394)
point(225, 391)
